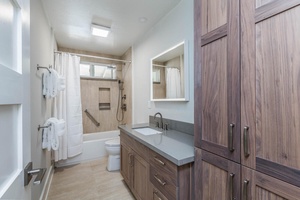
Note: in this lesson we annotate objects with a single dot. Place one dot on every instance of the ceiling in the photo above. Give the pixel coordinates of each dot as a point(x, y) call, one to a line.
point(71, 21)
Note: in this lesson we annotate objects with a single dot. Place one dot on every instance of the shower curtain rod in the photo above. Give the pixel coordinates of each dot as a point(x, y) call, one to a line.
point(159, 65)
point(89, 56)
point(163, 66)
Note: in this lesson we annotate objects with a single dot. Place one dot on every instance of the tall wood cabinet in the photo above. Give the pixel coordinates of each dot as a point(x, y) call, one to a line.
point(247, 98)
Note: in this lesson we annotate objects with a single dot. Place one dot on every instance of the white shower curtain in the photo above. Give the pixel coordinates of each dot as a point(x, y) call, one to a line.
point(173, 86)
point(67, 106)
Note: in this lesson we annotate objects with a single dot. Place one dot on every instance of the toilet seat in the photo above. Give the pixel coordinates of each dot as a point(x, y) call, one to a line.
point(113, 142)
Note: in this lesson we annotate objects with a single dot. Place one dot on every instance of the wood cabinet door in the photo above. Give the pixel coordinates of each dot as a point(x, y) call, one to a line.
point(258, 186)
point(140, 177)
point(270, 64)
point(126, 162)
point(219, 178)
point(217, 77)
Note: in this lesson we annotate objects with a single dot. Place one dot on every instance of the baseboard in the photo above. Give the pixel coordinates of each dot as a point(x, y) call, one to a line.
point(45, 191)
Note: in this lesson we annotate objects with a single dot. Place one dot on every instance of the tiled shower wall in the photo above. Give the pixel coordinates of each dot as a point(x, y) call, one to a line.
point(91, 95)
point(90, 98)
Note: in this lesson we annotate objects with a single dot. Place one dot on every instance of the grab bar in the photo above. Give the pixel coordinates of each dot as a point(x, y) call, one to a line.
point(92, 118)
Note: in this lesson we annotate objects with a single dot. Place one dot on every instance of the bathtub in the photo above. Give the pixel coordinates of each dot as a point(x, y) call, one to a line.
point(93, 148)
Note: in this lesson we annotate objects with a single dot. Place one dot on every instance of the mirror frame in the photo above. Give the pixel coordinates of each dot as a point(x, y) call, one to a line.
point(186, 73)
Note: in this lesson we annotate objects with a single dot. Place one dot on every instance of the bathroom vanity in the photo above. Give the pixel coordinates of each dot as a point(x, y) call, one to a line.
point(157, 165)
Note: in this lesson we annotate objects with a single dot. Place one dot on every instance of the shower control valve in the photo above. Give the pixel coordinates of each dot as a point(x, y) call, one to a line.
point(124, 107)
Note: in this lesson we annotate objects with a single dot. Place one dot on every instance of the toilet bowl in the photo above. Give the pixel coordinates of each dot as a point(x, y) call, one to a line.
point(113, 150)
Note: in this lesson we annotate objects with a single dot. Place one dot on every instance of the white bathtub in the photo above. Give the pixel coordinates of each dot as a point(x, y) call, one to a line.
point(93, 147)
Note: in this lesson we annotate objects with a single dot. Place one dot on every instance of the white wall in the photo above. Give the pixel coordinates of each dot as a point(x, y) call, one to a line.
point(42, 44)
point(175, 27)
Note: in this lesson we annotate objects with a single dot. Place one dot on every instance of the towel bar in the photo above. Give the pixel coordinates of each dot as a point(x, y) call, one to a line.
point(38, 67)
point(39, 127)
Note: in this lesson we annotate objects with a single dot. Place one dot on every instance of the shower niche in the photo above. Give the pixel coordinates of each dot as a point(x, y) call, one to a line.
point(104, 99)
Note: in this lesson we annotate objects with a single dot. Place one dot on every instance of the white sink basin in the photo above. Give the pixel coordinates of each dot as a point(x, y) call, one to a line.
point(147, 131)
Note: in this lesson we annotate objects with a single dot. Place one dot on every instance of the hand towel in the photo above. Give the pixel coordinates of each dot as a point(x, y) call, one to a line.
point(50, 138)
point(54, 80)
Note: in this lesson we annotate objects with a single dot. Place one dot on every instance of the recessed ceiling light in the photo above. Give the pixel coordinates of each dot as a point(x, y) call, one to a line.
point(143, 19)
point(101, 31)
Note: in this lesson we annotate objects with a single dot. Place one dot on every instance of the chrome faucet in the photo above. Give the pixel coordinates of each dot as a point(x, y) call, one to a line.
point(161, 120)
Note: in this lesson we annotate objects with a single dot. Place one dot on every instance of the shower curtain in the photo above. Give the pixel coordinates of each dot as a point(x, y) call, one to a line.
point(67, 106)
point(173, 86)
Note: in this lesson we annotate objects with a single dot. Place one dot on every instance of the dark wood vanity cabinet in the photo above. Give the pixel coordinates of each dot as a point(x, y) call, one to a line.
point(134, 168)
point(247, 97)
point(151, 176)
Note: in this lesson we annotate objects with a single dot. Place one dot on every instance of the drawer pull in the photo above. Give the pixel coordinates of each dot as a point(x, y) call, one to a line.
point(156, 196)
point(160, 181)
point(159, 161)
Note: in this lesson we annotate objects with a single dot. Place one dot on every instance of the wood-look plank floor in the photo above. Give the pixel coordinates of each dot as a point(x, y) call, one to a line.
point(88, 181)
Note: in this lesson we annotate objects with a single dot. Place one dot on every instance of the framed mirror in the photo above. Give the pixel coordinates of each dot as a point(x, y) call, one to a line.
point(169, 74)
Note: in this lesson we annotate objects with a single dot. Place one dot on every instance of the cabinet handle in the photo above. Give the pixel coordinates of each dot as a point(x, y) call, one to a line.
point(230, 137)
point(231, 192)
point(159, 161)
point(245, 189)
point(160, 181)
point(246, 141)
point(129, 160)
point(155, 194)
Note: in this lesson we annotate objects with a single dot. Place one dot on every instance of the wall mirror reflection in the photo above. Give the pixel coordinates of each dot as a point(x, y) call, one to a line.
point(169, 74)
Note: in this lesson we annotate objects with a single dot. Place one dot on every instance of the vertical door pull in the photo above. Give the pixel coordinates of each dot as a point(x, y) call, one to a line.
point(246, 141)
point(245, 189)
point(230, 137)
point(231, 188)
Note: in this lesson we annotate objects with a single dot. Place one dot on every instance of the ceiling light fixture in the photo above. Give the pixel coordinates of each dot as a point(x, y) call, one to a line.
point(101, 31)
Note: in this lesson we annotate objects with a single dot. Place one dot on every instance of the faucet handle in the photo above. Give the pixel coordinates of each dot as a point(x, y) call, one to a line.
point(157, 124)
point(166, 126)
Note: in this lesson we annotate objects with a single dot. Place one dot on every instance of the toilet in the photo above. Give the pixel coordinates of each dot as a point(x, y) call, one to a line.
point(113, 150)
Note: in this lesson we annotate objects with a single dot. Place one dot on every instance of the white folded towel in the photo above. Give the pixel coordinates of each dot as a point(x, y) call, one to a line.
point(52, 83)
point(45, 79)
point(51, 134)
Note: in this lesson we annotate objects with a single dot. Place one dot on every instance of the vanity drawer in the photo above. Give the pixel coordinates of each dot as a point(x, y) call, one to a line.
point(162, 163)
point(164, 182)
point(157, 195)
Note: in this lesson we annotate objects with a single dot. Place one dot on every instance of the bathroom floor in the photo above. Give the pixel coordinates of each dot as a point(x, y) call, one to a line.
point(88, 181)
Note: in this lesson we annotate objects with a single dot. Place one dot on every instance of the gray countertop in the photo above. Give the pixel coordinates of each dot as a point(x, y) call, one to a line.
point(176, 146)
